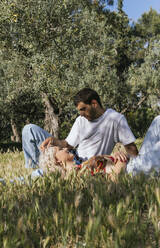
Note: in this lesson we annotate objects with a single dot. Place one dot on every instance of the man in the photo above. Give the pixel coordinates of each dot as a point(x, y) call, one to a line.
point(95, 132)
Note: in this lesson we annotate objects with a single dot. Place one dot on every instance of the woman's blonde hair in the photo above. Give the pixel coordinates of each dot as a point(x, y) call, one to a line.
point(47, 160)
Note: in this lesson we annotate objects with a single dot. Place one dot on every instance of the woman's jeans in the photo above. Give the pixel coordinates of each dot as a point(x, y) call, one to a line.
point(32, 137)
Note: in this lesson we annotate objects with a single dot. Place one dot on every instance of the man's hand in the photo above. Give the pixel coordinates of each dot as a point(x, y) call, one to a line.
point(47, 143)
point(120, 156)
point(131, 150)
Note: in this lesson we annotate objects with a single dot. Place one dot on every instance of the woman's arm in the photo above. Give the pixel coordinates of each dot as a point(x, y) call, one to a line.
point(115, 170)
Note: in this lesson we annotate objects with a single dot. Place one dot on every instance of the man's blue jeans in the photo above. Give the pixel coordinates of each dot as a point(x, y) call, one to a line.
point(32, 137)
point(149, 154)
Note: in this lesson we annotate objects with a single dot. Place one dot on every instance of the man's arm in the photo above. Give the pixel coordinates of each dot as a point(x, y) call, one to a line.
point(125, 136)
point(51, 141)
point(131, 150)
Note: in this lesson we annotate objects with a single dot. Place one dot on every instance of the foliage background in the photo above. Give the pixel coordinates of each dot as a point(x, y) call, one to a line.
point(58, 47)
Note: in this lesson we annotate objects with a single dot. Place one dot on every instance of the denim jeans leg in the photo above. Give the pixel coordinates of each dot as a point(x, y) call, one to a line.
point(32, 137)
point(149, 154)
point(152, 136)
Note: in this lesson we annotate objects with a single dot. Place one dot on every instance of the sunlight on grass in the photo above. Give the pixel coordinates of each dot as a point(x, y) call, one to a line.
point(12, 165)
point(79, 211)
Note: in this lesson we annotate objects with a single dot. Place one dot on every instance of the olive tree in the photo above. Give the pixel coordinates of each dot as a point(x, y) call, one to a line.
point(145, 84)
point(54, 48)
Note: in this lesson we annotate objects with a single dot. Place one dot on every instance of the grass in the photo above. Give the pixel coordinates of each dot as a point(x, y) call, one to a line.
point(12, 165)
point(87, 211)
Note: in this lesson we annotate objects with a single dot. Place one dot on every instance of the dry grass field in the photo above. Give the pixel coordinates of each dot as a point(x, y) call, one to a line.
point(77, 212)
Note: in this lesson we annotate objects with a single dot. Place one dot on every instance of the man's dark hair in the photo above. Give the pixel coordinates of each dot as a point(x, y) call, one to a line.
point(86, 95)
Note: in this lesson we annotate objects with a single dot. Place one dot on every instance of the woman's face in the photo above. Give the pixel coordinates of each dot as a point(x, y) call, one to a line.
point(63, 155)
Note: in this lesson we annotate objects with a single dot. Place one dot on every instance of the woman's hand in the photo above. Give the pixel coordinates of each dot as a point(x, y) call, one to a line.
point(116, 170)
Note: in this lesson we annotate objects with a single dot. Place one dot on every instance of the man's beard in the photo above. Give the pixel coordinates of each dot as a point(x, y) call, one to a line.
point(92, 115)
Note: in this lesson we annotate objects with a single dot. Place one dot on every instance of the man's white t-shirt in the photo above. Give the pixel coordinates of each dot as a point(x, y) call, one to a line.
point(99, 137)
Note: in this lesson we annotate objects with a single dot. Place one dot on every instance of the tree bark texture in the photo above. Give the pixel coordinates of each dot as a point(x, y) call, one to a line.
point(51, 119)
point(16, 137)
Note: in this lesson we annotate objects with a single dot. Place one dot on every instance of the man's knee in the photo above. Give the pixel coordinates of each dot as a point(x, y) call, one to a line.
point(156, 124)
point(157, 119)
point(27, 128)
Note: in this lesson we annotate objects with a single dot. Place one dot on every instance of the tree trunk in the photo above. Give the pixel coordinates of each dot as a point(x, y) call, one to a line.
point(51, 119)
point(16, 137)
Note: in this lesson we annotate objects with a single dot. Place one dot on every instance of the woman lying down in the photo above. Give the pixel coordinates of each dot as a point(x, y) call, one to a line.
point(56, 159)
